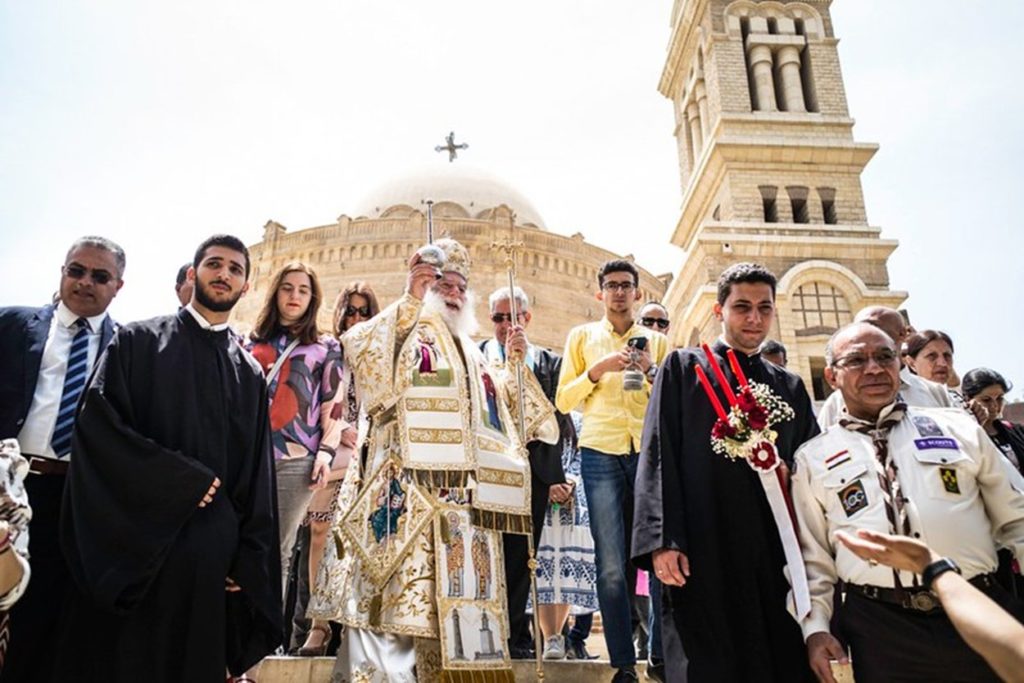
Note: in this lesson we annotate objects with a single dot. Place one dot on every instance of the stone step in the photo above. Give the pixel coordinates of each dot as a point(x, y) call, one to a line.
point(318, 670)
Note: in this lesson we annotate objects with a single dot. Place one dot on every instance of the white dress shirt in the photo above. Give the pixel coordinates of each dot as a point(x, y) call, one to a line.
point(203, 322)
point(34, 437)
point(960, 500)
point(915, 391)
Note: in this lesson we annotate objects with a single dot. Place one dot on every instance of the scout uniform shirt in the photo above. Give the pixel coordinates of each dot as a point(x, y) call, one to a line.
point(960, 500)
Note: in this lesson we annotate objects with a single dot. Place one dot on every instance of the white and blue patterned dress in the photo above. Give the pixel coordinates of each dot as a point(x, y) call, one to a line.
point(566, 573)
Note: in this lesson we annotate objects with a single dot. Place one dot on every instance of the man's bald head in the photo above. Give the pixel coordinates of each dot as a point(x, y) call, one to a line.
point(855, 332)
point(886, 319)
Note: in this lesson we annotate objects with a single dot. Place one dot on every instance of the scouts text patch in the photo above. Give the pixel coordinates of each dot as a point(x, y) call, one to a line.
point(935, 442)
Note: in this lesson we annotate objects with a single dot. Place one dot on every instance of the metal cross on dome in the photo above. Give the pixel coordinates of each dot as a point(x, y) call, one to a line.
point(451, 147)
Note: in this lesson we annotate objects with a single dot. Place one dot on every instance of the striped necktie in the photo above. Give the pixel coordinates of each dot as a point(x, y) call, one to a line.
point(74, 384)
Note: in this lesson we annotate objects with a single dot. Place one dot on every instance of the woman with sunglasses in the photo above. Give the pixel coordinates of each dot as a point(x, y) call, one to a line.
point(303, 372)
point(356, 303)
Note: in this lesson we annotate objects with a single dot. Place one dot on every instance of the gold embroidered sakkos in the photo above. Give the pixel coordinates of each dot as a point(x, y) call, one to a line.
point(441, 434)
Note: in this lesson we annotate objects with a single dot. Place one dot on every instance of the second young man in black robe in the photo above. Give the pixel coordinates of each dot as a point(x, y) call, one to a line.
point(703, 522)
point(169, 514)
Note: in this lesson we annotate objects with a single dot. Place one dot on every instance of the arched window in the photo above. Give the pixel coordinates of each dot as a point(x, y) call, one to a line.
point(820, 308)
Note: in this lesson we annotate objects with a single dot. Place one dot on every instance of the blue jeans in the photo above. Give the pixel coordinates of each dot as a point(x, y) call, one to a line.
point(608, 482)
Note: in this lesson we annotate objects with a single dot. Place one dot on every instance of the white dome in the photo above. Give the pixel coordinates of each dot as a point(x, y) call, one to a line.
point(474, 190)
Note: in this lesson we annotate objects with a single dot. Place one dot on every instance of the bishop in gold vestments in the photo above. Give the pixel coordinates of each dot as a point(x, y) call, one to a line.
point(442, 474)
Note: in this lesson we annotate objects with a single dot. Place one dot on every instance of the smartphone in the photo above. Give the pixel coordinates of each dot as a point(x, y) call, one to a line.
point(638, 343)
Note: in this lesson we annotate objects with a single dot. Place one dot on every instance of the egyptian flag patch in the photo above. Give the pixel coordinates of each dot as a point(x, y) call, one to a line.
point(949, 480)
point(853, 498)
point(834, 461)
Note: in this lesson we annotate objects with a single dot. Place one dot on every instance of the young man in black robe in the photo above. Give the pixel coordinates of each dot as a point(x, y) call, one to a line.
point(703, 521)
point(168, 524)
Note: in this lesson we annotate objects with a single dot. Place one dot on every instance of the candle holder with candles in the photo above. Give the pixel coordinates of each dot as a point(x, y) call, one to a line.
point(745, 430)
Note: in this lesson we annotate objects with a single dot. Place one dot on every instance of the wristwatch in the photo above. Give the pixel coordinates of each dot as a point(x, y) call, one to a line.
point(937, 568)
point(651, 372)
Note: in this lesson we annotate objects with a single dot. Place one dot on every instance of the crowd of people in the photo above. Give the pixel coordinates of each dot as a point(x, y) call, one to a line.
point(179, 502)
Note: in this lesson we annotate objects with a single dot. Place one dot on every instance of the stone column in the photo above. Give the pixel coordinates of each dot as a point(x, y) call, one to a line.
point(700, 93)
point(761, 66)
point(693, 116)
point(789, 71)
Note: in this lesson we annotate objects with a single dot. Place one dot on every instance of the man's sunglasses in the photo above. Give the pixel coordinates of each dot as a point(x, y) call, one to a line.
point(662, 323)
point(503, 317)
point(362, 310)
point(77, 272)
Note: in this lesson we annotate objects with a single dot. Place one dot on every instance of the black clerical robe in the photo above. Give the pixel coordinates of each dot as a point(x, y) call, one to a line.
point(170, 406)
point(730, 617)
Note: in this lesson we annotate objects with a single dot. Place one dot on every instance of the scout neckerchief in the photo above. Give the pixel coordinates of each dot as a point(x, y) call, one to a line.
point(886, 469)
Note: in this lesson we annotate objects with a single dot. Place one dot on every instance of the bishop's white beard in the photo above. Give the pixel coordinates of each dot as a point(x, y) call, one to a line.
point(459, 323)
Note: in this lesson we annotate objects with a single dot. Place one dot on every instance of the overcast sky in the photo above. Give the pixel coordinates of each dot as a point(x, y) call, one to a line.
point(158, 123)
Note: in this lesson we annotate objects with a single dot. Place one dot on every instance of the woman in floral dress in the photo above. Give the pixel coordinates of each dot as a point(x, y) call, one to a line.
point(304, 380)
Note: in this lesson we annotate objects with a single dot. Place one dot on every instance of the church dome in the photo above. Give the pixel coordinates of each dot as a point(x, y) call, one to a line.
point(457, 190)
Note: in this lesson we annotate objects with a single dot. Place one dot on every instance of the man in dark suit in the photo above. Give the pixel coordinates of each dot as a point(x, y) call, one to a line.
point(547, 478)
point(46, 355)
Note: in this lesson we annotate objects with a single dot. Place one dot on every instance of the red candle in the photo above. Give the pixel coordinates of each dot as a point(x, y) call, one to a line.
point(710, 391)
point(736, 369)
point(719, 375)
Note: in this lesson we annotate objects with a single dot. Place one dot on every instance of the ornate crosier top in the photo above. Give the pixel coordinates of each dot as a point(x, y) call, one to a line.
point(746, 430)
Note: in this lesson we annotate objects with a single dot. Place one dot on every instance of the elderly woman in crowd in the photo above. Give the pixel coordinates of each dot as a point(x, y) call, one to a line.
point(929, 354)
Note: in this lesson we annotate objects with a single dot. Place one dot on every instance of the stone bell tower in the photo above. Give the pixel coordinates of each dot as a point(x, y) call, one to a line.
point(770, 172)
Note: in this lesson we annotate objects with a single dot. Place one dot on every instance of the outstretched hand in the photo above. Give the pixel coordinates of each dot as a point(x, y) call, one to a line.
point(898, 552)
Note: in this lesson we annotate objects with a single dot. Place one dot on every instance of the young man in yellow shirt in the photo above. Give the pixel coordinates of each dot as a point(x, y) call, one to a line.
point(607, 369)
